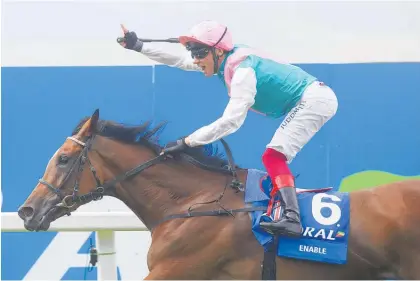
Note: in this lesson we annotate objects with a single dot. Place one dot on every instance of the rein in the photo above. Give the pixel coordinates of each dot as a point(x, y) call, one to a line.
point(69, 201)
point(100, 189)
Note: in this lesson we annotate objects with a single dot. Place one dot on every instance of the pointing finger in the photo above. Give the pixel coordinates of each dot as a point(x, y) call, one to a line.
point(125, 30)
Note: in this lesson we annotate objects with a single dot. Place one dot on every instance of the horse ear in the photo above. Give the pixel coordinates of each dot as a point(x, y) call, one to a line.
point(94, 122)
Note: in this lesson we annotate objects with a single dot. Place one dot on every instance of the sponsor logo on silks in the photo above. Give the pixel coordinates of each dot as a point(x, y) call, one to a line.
point(340, 234)
point(322, 233)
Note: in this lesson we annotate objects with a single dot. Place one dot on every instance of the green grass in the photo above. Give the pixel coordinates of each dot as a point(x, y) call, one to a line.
point(372, 178)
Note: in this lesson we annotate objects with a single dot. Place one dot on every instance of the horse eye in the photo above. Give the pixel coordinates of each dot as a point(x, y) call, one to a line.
point(63, 159)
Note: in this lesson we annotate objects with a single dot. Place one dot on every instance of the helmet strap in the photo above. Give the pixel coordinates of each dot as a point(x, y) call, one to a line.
point(213, 51)
point(215, 60)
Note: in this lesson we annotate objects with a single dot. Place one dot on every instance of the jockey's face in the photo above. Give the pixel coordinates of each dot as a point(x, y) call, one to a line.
point(203, 57)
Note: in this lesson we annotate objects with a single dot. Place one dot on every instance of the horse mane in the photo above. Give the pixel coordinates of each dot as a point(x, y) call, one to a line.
point(146, 134)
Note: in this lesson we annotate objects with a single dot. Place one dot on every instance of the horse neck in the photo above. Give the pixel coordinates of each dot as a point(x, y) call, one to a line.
point(166, 188)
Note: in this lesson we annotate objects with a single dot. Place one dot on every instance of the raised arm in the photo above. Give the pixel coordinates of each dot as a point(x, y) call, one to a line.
point(183, 61)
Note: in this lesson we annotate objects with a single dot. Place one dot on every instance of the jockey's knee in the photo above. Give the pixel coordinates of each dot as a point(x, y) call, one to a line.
point(333, 105)
point(271, 154)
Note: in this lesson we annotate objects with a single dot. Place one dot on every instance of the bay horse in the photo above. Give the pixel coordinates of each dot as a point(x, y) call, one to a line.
point(210, 241)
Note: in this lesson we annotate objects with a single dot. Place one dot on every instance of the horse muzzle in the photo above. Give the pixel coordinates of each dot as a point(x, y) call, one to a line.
point(40, 220)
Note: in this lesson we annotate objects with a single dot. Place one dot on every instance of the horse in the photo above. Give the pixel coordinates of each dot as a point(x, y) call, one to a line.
point(193, 204)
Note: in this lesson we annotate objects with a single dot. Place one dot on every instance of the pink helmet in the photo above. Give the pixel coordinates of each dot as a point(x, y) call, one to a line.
point(209, 33)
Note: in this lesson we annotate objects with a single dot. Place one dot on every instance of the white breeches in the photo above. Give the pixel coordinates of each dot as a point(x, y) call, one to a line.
point(317, 105)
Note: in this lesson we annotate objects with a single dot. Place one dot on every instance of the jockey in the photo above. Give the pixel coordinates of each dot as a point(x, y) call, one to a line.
point(259, 83)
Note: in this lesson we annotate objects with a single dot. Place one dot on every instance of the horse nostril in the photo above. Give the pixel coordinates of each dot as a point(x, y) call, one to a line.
point(25, 212)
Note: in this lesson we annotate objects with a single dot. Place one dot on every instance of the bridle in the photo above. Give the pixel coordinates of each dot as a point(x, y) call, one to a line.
point(69, 201)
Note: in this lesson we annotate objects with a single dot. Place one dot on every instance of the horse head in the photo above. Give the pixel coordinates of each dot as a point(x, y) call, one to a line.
point(66, 180)
point(97, 160)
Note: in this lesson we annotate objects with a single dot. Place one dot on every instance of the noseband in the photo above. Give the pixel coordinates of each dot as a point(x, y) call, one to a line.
point(68, 201)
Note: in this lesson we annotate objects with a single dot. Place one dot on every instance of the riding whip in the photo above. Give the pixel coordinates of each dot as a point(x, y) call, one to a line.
point(169, 40)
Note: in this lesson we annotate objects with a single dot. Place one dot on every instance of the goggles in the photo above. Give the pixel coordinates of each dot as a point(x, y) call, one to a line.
point(198, 51)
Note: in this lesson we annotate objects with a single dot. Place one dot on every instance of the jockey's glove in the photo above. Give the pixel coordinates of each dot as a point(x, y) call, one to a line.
point(176, 146)
point(131, 41)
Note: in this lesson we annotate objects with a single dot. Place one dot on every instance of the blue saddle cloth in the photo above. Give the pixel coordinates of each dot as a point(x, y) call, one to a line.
point(325, 217)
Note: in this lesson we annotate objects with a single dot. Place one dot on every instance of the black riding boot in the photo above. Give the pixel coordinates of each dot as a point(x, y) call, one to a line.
point(289, 224)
